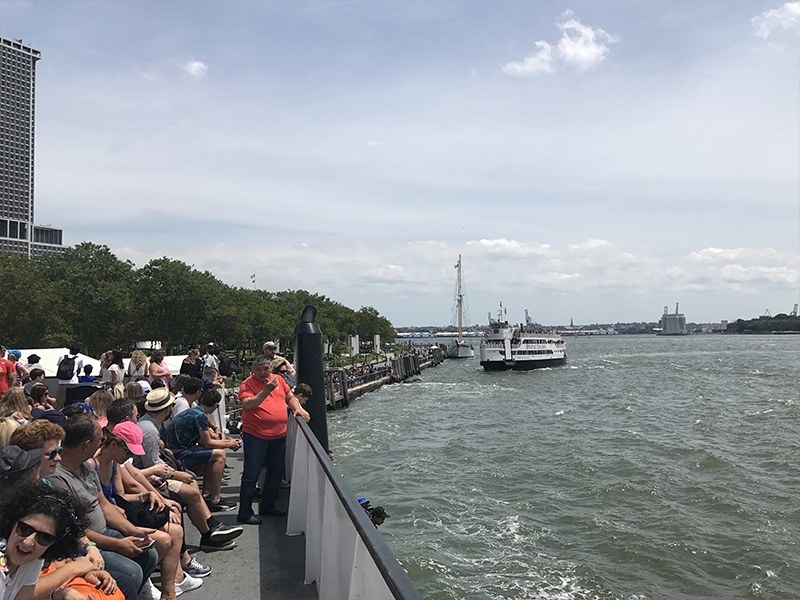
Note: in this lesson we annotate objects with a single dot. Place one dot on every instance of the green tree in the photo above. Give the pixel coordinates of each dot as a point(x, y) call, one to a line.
point(26, 303)
point(91, 298)
point(176, 302)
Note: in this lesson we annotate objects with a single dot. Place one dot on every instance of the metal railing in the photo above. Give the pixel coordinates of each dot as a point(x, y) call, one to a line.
point(346, 557)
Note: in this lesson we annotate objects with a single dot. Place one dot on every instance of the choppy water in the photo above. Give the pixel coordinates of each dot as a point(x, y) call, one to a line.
point(645, 468)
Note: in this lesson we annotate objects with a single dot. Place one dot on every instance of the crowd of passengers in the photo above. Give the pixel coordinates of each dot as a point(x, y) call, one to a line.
point(95, 494)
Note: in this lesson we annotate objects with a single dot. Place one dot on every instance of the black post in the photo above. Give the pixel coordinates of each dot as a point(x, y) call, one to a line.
point(310, 371)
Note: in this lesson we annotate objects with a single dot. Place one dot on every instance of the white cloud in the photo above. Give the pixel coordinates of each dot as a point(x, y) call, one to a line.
point(510, 248)
point(195, 68)
point(786, 17)
point(596, 279)
point(581, 48)
point(540, 61)
point(723, 255)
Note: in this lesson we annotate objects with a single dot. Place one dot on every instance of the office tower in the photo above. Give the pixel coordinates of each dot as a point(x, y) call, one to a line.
point(18, 234)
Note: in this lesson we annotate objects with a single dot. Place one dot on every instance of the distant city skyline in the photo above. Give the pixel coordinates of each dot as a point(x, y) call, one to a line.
point(592, 160)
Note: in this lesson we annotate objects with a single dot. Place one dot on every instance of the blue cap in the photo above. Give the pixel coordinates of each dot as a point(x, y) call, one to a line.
point(54, 416)
point(84, 407)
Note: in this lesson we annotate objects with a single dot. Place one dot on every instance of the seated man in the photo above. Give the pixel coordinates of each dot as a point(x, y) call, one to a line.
point(36, 376)
point(188, 435)
point(184, 400)
point(125, 548)
point(213, 534)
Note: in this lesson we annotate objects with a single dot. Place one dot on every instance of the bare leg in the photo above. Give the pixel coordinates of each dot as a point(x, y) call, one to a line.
point(196, 508)
point(212, 476)
point(168, 545)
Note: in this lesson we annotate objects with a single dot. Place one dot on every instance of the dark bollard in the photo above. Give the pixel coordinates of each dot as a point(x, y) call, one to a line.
point(310, 370)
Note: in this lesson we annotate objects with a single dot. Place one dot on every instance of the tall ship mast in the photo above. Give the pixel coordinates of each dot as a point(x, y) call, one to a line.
point(459, 348)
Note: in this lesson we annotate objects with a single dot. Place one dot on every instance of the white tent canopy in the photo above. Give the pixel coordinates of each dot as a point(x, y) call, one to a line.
point(49, 360)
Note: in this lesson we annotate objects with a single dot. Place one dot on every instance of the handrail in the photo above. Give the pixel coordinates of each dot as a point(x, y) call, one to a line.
point(370, 575)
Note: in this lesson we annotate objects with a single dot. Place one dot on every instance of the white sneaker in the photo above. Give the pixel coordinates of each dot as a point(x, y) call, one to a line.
point(149, 591)
point(188, 584)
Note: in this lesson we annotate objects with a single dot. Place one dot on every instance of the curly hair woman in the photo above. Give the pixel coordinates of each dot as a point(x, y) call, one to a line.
point(137, 367)
point(37, 523)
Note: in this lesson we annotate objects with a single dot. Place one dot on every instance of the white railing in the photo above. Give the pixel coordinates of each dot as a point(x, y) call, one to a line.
point(346, 557)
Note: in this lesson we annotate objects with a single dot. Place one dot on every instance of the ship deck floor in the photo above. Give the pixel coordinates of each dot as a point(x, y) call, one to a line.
point(265, 564)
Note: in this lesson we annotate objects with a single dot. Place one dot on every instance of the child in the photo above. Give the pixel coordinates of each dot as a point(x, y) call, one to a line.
point(87, 375)
point(302, 392)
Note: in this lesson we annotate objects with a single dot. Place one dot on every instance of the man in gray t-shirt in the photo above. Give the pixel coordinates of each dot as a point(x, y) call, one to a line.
point(150, 443)
point(121, 546)
point(84, 485)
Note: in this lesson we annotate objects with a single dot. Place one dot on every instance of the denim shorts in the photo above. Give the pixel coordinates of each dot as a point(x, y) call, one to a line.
point(195, 455)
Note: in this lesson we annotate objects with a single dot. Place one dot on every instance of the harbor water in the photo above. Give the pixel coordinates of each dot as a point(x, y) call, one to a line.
point(646, 468)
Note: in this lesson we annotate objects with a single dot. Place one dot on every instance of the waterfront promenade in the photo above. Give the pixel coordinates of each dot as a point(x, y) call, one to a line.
point(344, 384)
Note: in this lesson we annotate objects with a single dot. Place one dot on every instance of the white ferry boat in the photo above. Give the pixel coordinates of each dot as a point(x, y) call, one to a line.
point(520, 348)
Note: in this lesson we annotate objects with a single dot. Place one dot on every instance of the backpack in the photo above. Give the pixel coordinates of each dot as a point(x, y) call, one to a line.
point(225, 366)
point(66, 368)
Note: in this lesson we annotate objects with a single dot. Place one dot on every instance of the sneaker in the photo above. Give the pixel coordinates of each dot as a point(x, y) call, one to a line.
point(188, 584)
point(149, 591)
point(224, 533)
point(209, 545)
point(196, 569)
point(251, 520)
point(220, 505)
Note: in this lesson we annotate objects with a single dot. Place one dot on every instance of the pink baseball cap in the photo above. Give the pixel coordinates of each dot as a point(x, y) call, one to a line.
point(131, 435)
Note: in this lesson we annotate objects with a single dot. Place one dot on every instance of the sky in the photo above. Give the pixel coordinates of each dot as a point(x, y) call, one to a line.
point(590, 160)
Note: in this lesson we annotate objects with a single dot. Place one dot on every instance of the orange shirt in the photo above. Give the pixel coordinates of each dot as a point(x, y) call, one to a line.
point(6, 368)
point(268, 420)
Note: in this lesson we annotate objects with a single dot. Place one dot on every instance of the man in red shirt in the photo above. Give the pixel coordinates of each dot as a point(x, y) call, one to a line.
point(8, 372)
point(264, 397)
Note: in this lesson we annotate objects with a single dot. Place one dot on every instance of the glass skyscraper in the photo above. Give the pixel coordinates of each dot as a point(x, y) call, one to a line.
point(18, 234)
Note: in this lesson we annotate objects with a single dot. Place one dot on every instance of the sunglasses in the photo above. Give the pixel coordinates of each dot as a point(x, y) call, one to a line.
point(42, 537)
point(54, 453)
point(119, 441)
point(283, 371)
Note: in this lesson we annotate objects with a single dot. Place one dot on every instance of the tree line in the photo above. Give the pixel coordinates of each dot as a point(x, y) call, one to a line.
point(780, 322)
point(87, 296)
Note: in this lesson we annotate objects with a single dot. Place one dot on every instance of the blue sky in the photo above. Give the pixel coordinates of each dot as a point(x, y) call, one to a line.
point(594, 159)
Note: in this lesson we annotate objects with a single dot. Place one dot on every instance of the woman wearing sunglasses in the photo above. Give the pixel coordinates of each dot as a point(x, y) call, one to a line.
point(36, 523)
point(41, 434)
point(282, 368)
point(82, 570)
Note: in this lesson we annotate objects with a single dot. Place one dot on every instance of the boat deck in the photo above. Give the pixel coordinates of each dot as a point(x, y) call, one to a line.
point(265, 564)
